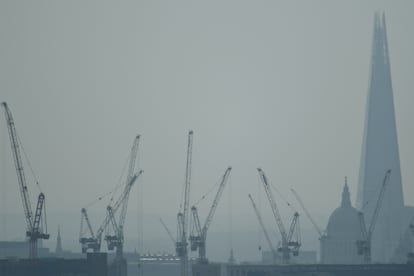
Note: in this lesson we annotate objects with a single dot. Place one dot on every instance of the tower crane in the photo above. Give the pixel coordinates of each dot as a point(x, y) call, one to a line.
point(117, 238)
point(34, 230)
point(259, 218)
point(93, 241)
point(307, 213)
point(182, 216)
point(290, 244)
point(364, 245)
point(199, 235)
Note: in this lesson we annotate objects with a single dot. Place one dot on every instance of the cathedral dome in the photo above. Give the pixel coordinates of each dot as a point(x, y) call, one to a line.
point(344, 221)
point(339, 244)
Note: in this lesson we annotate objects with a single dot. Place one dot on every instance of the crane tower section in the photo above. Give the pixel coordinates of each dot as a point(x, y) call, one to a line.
point(183, 216)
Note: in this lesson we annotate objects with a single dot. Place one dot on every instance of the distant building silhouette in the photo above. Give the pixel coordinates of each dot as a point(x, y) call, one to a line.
point(339, 243)
point(59, 250)
point(380, 153)
point(19, 249)
point(95, 264)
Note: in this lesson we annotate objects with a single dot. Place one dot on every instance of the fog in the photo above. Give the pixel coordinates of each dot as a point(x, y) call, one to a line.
point(280, 85)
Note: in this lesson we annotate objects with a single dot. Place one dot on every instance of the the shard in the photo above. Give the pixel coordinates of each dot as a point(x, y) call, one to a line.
point(380, 153)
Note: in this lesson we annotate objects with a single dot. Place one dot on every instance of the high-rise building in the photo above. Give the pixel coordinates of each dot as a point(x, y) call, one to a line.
point(380, 153)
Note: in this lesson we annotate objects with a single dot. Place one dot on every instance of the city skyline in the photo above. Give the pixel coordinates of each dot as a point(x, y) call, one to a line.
point(256, 93)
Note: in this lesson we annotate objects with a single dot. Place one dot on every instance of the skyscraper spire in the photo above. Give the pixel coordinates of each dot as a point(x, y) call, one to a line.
point(380, 151)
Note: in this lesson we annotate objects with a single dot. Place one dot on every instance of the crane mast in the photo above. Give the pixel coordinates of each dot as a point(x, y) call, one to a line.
point(180, 247)
point(187, 181)
point(288, 245)
point(182, 216)
point(33, 231)
point(364, 246)
point(199, 240)
point(259, 218)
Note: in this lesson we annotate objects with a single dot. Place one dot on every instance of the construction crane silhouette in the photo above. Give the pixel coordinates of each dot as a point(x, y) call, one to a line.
point(198, 234)
point(34, 226)
point(88, 241)
point(181, 245)
point(364, 245)
point(290, 241)
point(259, 218)
point(114, 236)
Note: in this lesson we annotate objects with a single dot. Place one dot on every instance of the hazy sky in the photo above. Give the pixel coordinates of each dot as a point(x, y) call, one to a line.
point(280, 85)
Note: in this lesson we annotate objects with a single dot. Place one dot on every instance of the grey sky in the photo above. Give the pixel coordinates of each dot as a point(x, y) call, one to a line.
point(276, 84)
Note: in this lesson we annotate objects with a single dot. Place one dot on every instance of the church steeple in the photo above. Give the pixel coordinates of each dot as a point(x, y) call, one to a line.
point(59, 250)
